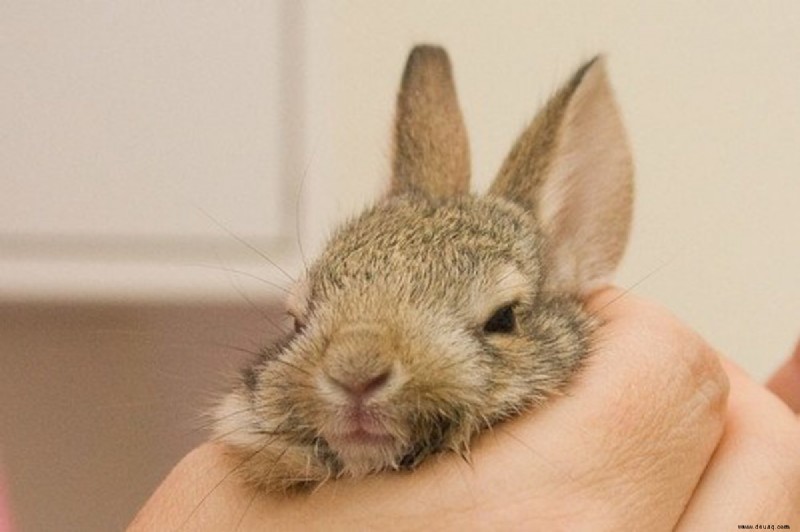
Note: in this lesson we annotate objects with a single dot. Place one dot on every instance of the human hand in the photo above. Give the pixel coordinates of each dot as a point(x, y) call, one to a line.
point(643, 439)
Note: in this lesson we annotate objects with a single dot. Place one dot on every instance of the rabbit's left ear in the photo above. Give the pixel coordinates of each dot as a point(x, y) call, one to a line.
point(572, 169)
point(431, 151)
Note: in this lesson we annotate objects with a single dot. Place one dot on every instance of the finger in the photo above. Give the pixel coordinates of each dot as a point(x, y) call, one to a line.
point(785, 383)
point(754, 477)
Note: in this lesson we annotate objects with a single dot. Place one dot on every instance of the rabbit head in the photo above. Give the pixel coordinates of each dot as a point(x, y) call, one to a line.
point(437, 313)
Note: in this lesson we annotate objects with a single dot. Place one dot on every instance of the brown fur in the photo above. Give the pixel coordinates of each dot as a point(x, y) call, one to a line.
point(394, 310)
point(431, 150)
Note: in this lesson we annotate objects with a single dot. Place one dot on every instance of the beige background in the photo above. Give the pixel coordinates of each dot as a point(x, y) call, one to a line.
point(711, 95)
point(122, 120)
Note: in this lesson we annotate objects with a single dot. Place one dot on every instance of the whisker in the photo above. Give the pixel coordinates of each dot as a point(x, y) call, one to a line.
point(264, 315)
point(275, 434)
point(516, 438)
point(278, 459)
point(246, 509)
point(629, 289)
point(208, 419)
point(245, 243)
point(154, 338)
point(298, 199)
point(535, 452)
point(289, 364)
point(236, 348)
point(242, 273)
point(249, 408)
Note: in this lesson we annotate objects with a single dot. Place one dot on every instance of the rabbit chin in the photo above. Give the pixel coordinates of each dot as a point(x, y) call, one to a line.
point(361, 452)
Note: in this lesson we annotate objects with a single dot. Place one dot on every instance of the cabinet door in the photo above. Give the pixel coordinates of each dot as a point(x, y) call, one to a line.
point(139, 137)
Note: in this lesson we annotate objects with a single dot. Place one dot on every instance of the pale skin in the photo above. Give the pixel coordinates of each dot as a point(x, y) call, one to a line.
point(658, 432)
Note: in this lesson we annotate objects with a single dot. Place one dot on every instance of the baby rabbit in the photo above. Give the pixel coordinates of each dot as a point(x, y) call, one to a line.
point(436, 313)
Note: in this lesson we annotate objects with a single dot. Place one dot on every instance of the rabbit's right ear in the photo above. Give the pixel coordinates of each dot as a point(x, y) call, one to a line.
point(431, 151)
point(573, 170)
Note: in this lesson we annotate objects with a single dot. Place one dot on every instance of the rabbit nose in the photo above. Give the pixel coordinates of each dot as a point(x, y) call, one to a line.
point(359, 387)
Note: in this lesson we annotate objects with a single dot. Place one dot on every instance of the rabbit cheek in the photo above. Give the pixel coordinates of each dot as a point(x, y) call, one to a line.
point(445, 400)
point(273, 449)
point(509, 390)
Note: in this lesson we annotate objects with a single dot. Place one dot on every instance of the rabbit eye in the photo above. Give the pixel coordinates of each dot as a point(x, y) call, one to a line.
point(299, 324)
point(502, 321)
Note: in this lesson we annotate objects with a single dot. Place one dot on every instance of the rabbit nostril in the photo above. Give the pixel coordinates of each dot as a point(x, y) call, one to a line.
point(360, 388)
point(377, 382)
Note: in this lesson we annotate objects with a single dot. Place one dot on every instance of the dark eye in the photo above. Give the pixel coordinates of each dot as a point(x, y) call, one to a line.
point(502, 321)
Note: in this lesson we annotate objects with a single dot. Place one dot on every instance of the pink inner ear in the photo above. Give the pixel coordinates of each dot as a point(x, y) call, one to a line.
point(586, 198)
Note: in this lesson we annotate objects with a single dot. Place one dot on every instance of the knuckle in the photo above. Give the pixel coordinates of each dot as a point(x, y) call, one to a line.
point(700, 373)
point(712, 382)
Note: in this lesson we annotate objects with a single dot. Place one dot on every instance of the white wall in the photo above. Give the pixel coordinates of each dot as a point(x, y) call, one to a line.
point(131, 131)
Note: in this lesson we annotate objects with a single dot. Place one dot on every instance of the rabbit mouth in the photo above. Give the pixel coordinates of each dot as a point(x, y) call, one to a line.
point(365, 440)
point(362, 442)
point(365, 448)
point(359, 453)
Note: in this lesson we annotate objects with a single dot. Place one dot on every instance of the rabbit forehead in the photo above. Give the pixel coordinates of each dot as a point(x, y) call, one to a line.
point(415, 246)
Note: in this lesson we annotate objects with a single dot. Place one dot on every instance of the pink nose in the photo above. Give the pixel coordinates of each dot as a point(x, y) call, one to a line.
point(358, 387)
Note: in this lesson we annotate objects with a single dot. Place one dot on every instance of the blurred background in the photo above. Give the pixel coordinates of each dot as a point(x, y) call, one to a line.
point(153, 154)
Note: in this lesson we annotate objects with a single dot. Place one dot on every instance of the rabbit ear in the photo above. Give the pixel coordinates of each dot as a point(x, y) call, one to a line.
point(431, 151)
point(572, 168)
